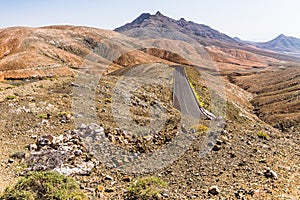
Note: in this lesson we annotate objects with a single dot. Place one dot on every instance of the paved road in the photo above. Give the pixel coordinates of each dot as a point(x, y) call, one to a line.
point(184, 98)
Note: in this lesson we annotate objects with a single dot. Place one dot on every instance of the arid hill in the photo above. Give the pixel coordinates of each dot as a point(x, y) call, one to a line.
point(62, 50)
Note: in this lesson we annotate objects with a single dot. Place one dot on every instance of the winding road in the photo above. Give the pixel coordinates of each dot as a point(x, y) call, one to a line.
point(184, 98)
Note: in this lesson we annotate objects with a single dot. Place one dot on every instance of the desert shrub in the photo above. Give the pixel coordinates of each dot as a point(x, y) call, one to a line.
point(46, 186)
point(200, 129)
point(64, 113)
point(263, 135)
point(10, 97)
point(42, 116)
point(146, 188)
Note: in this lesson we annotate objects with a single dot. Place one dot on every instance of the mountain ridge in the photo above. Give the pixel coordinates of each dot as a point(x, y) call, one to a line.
point(148, 26)
point(190, 28)
point(283, 44)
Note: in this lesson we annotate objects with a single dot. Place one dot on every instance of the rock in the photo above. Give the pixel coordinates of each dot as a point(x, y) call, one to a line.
point(100, 188)
point(108, 177)
point(219, 142)
point(240, 194)
point(45, 140)
point(58, 140)
point(242, 163)
point(216, 148)
point(126, 179)
point(18, 155)
point(65, 154)
point(210, 144)
point(126, 160)
point(113, 183)
point(83, 126)
point(68, 170)
point(263, 160)
point(99, 130)
point(11, 160)
point(32, 147)
point(135, 155)
point(77, 152)
point(232, 154)
point(165, 195)
point(270, 174)
point(183, 129)
point(214, 190)
point(34, 137)
point(109, 190)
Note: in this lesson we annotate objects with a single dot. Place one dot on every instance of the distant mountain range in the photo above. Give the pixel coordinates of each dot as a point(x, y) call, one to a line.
point(158, 25)
point(283, 44)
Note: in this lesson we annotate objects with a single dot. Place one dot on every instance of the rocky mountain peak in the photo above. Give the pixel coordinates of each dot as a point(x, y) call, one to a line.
point(182, 22)
point(282, 43)
point(281, 37)
point(199, 32)
point(158, 14)
point(141, 18)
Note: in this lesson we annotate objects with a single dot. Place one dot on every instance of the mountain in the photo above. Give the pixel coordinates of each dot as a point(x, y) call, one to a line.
point(159, 26)
point(152, 26)
point(283, 44)
point(238, 39)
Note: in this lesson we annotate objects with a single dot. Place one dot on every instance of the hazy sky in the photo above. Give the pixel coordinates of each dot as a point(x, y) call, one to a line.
point(256, 20)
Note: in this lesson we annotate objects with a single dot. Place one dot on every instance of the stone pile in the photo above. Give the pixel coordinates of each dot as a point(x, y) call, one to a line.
point(65, 154)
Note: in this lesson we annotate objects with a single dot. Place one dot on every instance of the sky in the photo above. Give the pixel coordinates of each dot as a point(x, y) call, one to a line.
point(253, 20)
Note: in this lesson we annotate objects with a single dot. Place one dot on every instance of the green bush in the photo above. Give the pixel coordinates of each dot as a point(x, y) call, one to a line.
point(42, 116)
point(44, 186)
point(146, 188)
point(263, 135)
point(10, 97)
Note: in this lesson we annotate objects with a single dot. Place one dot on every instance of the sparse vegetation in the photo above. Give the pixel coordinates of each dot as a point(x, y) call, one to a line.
point(200, 129)
point(108, 100)
point(20, 167)
point(146, 188)
point(42, 116)
point(197, 85)
point(263, 135)
point(11, 97)
point(46, 186)
point(64, 113)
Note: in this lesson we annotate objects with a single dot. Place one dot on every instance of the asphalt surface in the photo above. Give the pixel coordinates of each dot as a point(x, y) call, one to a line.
point(183, 97)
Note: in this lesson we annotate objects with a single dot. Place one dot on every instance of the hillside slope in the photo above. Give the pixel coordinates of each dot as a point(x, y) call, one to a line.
point(63, 50)
point(277, 95)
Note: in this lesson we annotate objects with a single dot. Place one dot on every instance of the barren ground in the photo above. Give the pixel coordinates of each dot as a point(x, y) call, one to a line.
point(237, 167)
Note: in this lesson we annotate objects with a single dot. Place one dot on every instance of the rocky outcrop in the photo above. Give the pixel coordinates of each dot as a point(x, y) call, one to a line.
point(65, 154)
